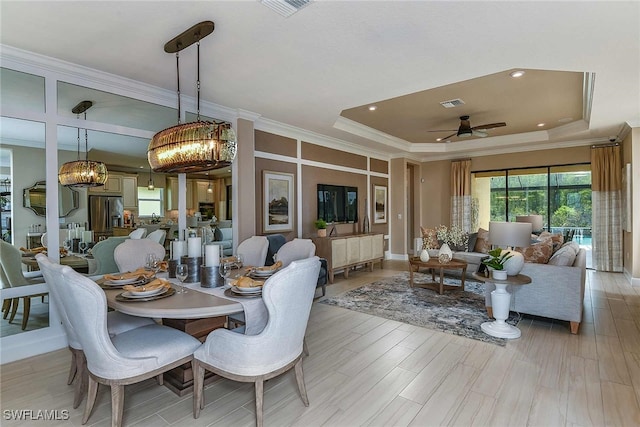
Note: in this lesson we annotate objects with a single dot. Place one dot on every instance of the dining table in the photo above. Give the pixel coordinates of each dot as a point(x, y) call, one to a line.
point(78, 263)
point(197, 312)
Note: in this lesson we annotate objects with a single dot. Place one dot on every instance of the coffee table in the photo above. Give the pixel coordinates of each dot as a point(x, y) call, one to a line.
point(415, 264)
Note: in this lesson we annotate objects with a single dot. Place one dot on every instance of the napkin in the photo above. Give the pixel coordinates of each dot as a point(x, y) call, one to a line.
point(129, 275)
point(247, 282)
point(273, 267)
point(34, 250)
point(158, 283)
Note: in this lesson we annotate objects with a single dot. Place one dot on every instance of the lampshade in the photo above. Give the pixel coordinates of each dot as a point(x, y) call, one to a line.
point(83, 173)
point(192, 147)
point(534, 220)
point(197, 146)
point(514, 234)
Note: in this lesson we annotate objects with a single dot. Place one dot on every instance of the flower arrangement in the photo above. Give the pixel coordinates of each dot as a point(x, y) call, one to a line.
point(454, 236)
point(497, 259)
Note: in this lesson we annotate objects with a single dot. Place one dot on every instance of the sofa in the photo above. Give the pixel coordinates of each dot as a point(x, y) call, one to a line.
point(473, 259)
point(224, 237)
point(555, 291)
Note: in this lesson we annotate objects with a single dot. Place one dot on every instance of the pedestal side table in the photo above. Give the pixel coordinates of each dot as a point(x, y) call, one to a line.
point(500, 302)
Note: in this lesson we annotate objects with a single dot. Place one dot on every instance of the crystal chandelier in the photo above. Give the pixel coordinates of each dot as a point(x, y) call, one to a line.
point(196, 146)
point(83, 173)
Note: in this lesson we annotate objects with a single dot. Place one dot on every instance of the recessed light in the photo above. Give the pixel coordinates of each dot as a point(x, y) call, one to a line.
point(372, 108)
point(438, 139)
point(516, 74)
point(540, 125)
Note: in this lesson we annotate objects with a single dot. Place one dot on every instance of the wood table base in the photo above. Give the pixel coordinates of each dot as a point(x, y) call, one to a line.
point(180, 379)
point(415, 264)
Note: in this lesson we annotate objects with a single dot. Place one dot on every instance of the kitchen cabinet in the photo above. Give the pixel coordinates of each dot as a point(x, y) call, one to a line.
point(130, 192)
point(345, 252)
point(172, 197)
point(203, 195)
point(112, 186)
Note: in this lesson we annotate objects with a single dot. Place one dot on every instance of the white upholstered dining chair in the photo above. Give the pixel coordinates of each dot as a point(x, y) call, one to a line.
point(132, 253)
point(294, 250)
point(157, 236)
point(138, 233)
point(288, 296)
point(127, 358)
point(117, 323)
point(253, 250)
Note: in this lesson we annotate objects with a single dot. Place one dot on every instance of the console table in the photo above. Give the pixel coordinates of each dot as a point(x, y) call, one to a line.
point(344, 252)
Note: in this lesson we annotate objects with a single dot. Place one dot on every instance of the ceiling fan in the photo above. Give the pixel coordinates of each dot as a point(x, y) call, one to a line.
point(465, 129)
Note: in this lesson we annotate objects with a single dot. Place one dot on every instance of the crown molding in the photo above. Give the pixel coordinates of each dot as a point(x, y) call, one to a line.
point(278, 128)
point(363, 131)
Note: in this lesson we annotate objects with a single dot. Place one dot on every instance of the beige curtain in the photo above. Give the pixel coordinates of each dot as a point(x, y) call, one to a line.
point(461, 194)
point(606, 183)
point(220, 198)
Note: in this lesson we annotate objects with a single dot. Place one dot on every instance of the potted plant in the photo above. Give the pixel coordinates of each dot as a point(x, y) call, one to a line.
point(321, 226)
point(496, 261)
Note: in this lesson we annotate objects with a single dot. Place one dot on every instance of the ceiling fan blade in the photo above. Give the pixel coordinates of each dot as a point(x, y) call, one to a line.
point(447, 137)
point(489, 126)
point(443, 130)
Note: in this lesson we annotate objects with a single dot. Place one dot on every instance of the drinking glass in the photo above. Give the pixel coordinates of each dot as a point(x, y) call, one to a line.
point(152, 263)
point(225, 270)
point(66, 244)
point(239, 260)
point(83, 247)
point(182, 271)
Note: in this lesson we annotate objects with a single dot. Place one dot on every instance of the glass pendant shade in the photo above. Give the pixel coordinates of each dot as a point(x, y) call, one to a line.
point(192, 147)
point(83, 173)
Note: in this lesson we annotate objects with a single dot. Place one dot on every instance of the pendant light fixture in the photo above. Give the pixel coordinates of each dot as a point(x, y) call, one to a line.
point(209, 187)
point(150, 186)
point(83, 173)
point(196, 146)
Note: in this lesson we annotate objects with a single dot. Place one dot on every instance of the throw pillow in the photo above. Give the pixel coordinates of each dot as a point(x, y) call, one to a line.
point(564, 256)
point(217, 234)
point(538, 253)
point(556, 238)
point(482, 242)
point(429, 238)
point(472, 241)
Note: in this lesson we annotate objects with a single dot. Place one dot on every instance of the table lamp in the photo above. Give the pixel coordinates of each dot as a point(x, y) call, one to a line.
point(534, 220)
point(511, 235)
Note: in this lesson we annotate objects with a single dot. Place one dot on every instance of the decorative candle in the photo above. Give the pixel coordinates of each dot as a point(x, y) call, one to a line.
point(179, 249)
point(212, 255)
point(79, 231)
point(194, 248)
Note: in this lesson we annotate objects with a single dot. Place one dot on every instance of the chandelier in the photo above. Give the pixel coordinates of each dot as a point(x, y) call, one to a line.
point(83, 173)
point(196, 146)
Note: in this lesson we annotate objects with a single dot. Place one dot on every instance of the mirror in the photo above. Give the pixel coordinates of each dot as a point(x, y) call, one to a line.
point(35, 198)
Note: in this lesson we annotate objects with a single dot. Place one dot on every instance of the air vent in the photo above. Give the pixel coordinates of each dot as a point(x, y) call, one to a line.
point(452, 103)
point(285, 8)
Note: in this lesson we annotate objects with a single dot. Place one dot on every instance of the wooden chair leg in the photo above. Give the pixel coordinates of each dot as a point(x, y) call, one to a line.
point(73, 368)
point(6, 306)
point(300, 380)
point(259, 401)
point(25, 311)
point(198, 386)
point(83, 379)
point(14, 308)
point(117, 404)
point(91, 399)
point(305, 348)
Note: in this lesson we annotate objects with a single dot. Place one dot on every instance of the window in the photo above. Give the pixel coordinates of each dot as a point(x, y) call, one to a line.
point(561, 194)
point(150, 202)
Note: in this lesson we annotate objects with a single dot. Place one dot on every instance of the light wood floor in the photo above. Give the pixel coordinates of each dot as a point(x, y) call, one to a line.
point(370, 371)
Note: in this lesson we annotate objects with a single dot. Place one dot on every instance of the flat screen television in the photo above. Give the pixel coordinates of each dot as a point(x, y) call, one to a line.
point(337, 203)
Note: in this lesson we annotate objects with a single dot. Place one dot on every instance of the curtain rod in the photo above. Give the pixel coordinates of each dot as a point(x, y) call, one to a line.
point(615, 144)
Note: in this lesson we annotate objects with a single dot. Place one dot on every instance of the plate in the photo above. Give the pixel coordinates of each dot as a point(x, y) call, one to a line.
point(127, 281)
point(229, 292)
point(237, 290)
point(144, 294)
point(169, 292)
point(262, 273)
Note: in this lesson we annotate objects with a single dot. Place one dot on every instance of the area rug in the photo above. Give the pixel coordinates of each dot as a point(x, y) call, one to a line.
point(456, 312)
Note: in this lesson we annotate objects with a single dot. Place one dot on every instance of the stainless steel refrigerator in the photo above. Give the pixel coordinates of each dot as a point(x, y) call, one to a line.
point(105, 212)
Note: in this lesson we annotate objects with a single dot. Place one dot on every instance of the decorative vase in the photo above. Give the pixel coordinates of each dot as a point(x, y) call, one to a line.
point(445, 254)
point(499, 274)
point(322, 232)
point(424, 255)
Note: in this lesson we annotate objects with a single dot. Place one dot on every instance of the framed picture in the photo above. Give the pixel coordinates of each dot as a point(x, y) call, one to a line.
point(380, 198)
point(277, 201)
